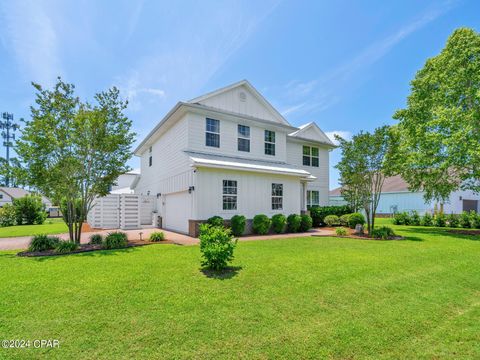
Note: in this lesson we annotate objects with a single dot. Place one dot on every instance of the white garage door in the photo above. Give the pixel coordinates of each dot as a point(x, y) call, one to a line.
point(177, 211)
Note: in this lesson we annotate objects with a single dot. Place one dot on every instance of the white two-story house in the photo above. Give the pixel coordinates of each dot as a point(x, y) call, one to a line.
point(230, 152)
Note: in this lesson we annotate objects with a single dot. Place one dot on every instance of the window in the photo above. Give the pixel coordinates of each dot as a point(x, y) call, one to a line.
point(1, 196)
point(229, 195)
point(277, 196)
point(313, 198)
point(310, 156)
point(212, 134)
point(150, 156)
point(269, 142)
point(243, 138)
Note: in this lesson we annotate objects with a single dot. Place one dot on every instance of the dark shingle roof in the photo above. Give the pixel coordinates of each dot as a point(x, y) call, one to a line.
point(391, 184)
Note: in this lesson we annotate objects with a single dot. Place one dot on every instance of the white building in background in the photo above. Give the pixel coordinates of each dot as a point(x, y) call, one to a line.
point(8, 194)
point(396, 197)
point(125, 182)
point(230, 152)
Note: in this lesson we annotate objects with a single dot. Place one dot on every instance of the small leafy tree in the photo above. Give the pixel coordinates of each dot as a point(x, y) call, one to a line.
point(217, 246)
point(8, 216)
point(73, 151)
point(29, 210)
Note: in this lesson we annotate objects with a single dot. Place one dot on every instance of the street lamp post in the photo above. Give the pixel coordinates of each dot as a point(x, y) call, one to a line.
point(8, 128)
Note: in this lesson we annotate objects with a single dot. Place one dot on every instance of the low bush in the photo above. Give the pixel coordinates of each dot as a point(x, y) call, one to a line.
point(464, 220)
point(383, 232)
point(96, 239)
point(332, 220)
point(474, 220)
point(29, 210)
point(401, 218)
point(261, 224)
point(453, 220)
point(355, 219)
point(306, 223)
point(344, 219)
point(440, 220)
point(8, 216)
point(65, 247)
point(157, 236)
point(215, 221)
point(294, 221)
point(237, 224)
point(341, 231)
point(115, 240)
point(217, 246)
point(318, 213)
point(415, 218)
point(427, 220)
point(43, 242)
point(278, 223)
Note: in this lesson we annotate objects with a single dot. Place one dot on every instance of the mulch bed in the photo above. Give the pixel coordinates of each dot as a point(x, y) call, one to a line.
point(89, 248)
point(351, 235)
point(465, 232)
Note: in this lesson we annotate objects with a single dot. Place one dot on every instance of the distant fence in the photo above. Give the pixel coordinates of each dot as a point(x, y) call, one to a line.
point(124, 211)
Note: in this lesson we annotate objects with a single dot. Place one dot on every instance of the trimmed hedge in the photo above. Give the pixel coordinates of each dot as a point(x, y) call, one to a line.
point(354, 219)
point(306, 223)
point(261, 224)
point(215, 221)
point(237, 224)
point(319, 213)
point(279, 221)
point(332, 220)
point(294, 221)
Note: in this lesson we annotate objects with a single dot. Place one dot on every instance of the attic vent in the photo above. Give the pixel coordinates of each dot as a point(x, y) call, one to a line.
point(242, 96)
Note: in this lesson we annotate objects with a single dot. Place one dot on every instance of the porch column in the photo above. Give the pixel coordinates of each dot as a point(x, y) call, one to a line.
point(303, 202)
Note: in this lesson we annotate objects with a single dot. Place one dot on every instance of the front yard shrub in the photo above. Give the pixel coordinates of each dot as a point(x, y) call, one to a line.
point(96, 239)
point(464, 220)
point(65, 247)
point(29, 210)
point(344, 219)
point(355, 219)
point(401, 218)
point(440, 220)
point(7, 215)
point(237, 224)
point(115, 240)
point(427, 220)
point(383, 232)
point(43, 242)
point(453, 220)
point(294, 222)
point(261, 224)
point(332, 220)
point(318, 213)
point(415, 218)
point(157, 236)
point(215, 221)
point(341, 231)
point(306, 223)
point(278, 223)
point(474, 220)
point(217, 246)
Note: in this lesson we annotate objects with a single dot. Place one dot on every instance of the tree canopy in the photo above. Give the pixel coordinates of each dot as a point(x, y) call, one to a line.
point(440, 125)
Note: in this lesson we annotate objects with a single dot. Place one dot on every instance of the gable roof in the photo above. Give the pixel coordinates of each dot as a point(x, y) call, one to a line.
point(203, 99)
point(14, 193)
point(392, 184)
point(311, 132)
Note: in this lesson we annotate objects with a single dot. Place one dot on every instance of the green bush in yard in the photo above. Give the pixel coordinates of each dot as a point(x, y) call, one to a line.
point(318, 213)
point(306, 223)
point(401, 218)
point(215, 221)
point(427, 220)
point(96, 239)
point(440, 220)
point(217, 246)
point(453, 220)
point(294, 221)
point(65, 247)
point(261, 224)
point(279, 221)
point(383, 232)
point(237, 224)
point(355, 219)
point(115, 240)
point(464, 220)
point(157, 236)
point(341, 231)
point(29, 210)
point(474, 220)
point(332, 220)
point(43, 242)
point(344, 219)
point(415, 218)
point(8, 216)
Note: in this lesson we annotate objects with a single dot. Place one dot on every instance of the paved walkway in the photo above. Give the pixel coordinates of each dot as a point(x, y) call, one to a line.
point(15, 243)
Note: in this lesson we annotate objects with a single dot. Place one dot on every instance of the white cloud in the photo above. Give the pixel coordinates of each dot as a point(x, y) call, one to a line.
point(347, 135)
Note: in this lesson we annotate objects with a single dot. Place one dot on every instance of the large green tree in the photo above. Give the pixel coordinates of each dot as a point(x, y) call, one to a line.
point(441, 124)
point(73, 151)
point(366, 161)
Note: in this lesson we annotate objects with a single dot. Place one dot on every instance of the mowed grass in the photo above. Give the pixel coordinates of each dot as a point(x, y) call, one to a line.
point(51, 226)
point(312, 297)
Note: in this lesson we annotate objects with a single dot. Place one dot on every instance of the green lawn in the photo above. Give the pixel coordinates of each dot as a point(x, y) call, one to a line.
point(296, 298)
point(51, 226)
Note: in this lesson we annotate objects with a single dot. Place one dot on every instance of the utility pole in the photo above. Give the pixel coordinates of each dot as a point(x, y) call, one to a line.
point(8, 128)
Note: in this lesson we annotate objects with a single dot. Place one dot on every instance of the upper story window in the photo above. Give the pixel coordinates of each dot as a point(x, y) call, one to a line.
point(313, 198)
point(229, 195)
point(269, 142)
point(310, 156)
point(212, 133)
point(243, 138)
point(150, 156)
point(277, 196)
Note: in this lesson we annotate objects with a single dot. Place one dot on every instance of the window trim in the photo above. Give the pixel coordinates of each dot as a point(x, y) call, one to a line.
point(150, 157)
point(269, 142)
point(310, 198)
point(276, 196)
point(212, 132)
point(230, 195)
point(310, 156)
point(240, 136)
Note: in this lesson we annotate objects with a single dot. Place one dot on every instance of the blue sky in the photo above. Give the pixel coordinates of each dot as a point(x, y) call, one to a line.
point(344, 64)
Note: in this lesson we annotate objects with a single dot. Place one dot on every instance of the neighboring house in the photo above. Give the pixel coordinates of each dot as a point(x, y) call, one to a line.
point(8, 194)
point(230, 152)
point(125, 182)
point(396, 197)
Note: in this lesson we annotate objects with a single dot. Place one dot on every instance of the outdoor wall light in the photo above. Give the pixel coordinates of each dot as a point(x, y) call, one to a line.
point(158, 195)
point(190, 189)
